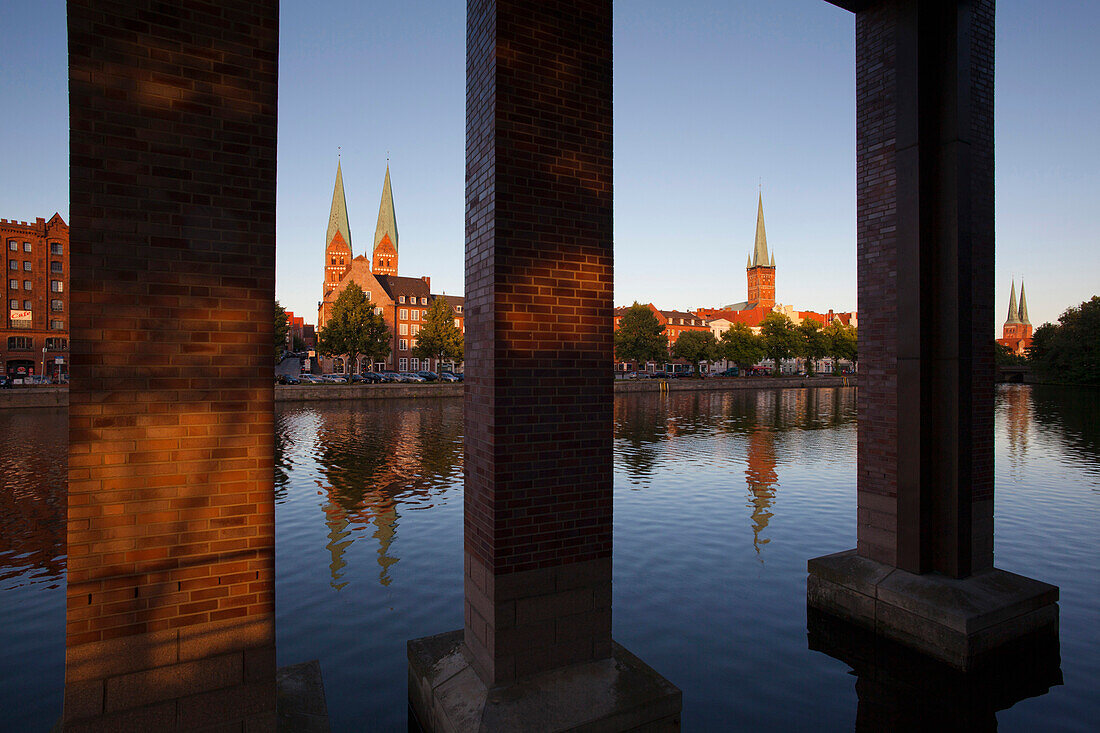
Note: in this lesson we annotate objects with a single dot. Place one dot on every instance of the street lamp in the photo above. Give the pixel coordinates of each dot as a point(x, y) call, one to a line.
point(43, 361)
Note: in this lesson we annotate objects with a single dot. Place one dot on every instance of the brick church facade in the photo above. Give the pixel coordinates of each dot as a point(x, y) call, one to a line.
point(1016, 333)
point(403, 301)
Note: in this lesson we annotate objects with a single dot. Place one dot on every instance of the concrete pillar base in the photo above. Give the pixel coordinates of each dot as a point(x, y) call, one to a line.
point(952, 620)
point(301, 699)
point(901, 689)
point(616, 694)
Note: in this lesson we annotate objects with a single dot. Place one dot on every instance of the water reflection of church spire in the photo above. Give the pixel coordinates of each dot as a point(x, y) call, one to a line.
point(762, 481)
point(371, 462)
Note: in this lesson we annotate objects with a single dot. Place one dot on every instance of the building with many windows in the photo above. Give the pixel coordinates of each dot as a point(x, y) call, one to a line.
point(402, 301)
point(34, 332)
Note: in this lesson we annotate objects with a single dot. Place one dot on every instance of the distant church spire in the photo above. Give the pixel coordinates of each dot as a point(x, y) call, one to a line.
point(760, 251)
point(1023, 306)
point(384, 256)
point(338, 214)
point(1013, 317)
point(387, 221)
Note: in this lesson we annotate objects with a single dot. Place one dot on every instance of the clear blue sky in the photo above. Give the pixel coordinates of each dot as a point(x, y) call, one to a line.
point(712, 97)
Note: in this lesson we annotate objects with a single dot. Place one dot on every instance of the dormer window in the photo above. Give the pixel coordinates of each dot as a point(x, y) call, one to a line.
point(400, 298)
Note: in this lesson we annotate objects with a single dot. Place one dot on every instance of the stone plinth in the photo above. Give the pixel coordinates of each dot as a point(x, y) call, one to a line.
point(616, 694)
point(901, 689)
point(953, 620)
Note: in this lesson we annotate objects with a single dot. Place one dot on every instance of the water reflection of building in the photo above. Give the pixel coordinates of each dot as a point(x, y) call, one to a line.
point(374, 462)
point(762, 480)
point(32, 495)
point(1016, 401)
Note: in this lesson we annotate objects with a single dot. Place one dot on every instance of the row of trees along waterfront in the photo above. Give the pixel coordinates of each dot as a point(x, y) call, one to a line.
point(1067, 351)
point(641, 338)
point(357, 329)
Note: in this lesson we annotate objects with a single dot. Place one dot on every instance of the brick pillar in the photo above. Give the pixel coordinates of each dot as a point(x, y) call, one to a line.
point(170, 621)
point(922, 572)
point(538, 398)
point(924, 107)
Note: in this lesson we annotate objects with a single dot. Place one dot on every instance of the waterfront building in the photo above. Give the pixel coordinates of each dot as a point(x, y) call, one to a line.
point(760, 301)
point(1017, 330)
point(402, 301)
point(299, 331)
point(34, 333)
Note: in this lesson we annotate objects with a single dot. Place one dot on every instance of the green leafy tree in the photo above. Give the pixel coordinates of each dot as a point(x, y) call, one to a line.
point(439, 337)
point(282, 326)
point(741, 346)
point(841, 343)
point(781, 339)
point(355, 329)
point(815, 344)
point(640, 337)
point(1069, 351)
point(696, 346)
point(1004, 356)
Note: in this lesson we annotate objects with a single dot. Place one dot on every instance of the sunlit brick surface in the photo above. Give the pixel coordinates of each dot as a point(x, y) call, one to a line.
point(171, 514)
point(538, 395)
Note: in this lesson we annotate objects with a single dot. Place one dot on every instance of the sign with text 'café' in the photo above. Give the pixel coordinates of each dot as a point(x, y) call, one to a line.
point(20, 319)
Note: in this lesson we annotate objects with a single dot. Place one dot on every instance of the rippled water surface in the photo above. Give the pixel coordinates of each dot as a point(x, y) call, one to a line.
point(720, 498)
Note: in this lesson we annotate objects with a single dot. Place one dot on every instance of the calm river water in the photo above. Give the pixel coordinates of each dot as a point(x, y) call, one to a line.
point(720, 498)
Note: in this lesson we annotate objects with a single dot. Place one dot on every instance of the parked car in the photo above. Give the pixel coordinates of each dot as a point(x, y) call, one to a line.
point(659, 375)
point(287, 379)
point(731, 372)
point(5, 382)
point(311, 379)
point(413, 377)
point(448, 377)
point(428, 376)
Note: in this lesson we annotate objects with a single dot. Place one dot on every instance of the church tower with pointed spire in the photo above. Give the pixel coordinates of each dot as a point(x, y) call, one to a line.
point(1017, 329)
point(760, 268)
point(384, 257)
point(337, 238)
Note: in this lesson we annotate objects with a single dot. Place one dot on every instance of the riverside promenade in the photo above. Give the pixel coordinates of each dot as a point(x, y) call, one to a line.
point(31, 397)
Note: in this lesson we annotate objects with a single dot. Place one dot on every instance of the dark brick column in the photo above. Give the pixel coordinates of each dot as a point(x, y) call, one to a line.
point(538, 402)
point(924, 88)
point(924, 150)
point(170, 621)
point(923, 570)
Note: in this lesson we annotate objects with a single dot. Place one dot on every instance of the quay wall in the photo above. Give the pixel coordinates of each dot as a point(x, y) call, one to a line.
point(31, 397)
point(19, 398)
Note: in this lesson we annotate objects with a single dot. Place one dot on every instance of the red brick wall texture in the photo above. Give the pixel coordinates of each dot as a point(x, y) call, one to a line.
point(538, 398)
point(171, 517)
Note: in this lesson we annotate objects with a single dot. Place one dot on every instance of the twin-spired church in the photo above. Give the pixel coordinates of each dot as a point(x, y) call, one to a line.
point(404, 301)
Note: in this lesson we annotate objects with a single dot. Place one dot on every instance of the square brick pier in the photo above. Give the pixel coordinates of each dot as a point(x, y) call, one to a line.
point(922, 572)
point(537, 645)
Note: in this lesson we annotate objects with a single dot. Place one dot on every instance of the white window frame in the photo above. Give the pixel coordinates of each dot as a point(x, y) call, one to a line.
point(403, 364)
